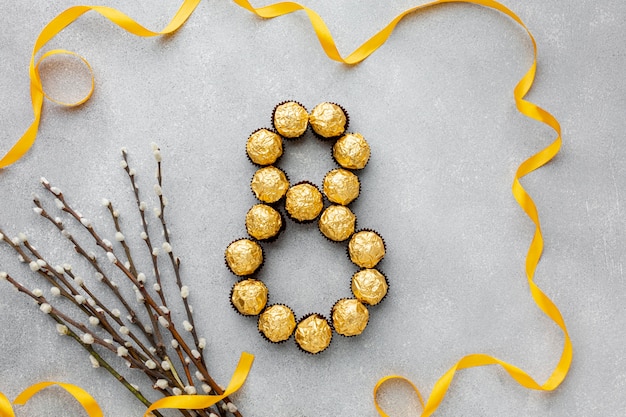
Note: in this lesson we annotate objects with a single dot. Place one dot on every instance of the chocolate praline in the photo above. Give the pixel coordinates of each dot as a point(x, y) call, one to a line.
point(328, 120)
point(269, 184)
point(264, 147)
point(244, 257)
point(263, 222)
point(277, 323)
point(350, 317)
point(304, 202)
point(366, 248)
point(369, 286)
point(351, 151)
point(341, 186)
point(290, 119)
point(249, 296)
point(337, 223)
point(313, 333)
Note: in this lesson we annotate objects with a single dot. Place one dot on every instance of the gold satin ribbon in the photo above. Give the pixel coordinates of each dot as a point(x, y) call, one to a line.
point(187, 402)
point(84, 399)
point(385, 379)
point(366, 49)
point(521, 196)
point(199, 402)
point(55, 26)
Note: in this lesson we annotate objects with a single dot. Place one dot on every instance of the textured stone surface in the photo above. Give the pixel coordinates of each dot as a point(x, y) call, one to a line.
point(435, 104)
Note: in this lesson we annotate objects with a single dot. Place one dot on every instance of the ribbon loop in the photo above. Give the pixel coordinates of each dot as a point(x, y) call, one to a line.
point(84, 61)
point(388, 378)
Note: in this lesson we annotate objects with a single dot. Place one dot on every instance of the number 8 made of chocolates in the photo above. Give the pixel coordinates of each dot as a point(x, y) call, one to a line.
point(304, 203)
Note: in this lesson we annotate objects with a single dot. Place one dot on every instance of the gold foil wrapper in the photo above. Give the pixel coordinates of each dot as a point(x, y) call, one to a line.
point(291, 119)
point(328, 120)
point(249, 297)
point(366, 249)
point(269, 184)
point(304, 202)
point(313, 334)
point(369, 286)
point(337, 223)
point(350, 317)
point(277, 323)
point(263, 222)
point(264, 147)
point(341, 186)
point(244, 256)
point(351, 151)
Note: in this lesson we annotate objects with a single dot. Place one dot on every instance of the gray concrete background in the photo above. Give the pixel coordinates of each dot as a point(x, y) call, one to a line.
point(435, 103)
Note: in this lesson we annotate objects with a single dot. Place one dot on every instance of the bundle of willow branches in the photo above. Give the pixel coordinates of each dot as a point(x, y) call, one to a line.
point(141, 332)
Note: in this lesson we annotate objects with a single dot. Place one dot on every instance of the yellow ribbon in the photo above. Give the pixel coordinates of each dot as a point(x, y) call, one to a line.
point(84, 399)
point(85, 62)
point(521, 196)
point(6, 409)
point(382, 381)
point(55, 26)
point(367, 48)
point(200, 402)
point(187, 402)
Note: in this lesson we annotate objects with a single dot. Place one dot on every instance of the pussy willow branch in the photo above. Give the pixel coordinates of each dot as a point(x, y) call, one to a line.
point(67, 292)
point(92, 260)
point(63, 329)
point(108, 248)
point(153, 360)
point(160, 311)
point(175, 261)
point(167, 247)
point(50, 309)
point(105, 245)
point(91, 308)
point(119, 236)
point(141, 206)
point(94, 263)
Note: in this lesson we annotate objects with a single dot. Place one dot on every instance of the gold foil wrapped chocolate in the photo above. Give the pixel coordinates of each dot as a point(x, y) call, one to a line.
point(244, 257)
point(313, 333)
point(341, 186)
point(277, 323)
point(269, 184)
point(291, 119)
point(328, 120)
point(366, 248)
point(369, 286)
point(263, 222)
point(264, 147)
point(351, 151)
point(249, 297)
point(349, 317)
point(337, 223)
point(304, 202)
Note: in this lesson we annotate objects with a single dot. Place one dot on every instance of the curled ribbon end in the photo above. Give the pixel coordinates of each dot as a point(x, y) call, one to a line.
point(388, 378)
